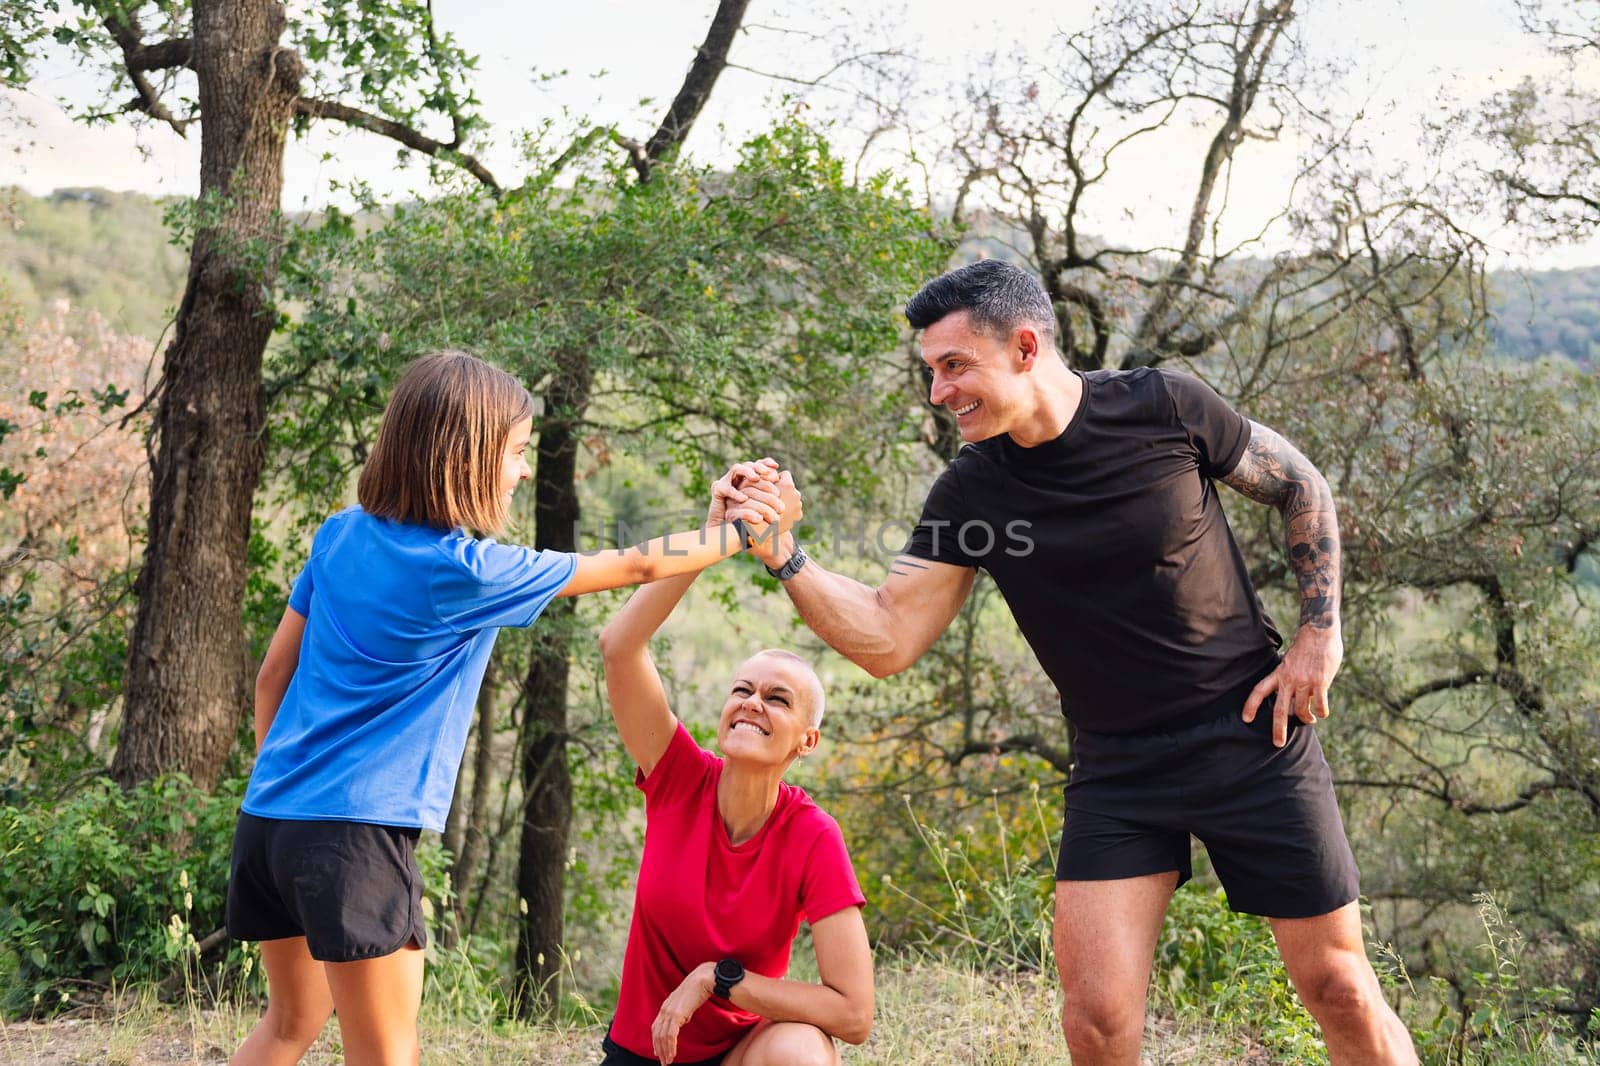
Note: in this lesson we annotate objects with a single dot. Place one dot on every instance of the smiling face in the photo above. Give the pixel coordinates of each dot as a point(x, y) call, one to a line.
point(769, 714)
point(514, 463)
point(980, 378)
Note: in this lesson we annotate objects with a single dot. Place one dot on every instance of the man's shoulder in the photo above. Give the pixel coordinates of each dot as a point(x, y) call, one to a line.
point(1139, 381)
point(1139, 395)
point(975, 456)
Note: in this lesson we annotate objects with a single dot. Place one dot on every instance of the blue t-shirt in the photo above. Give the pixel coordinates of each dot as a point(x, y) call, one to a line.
point(400, 621)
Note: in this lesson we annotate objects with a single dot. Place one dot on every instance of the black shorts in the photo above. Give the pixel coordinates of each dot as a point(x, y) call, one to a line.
point(1266, 815)
point(351, 889)
point(617, 1055)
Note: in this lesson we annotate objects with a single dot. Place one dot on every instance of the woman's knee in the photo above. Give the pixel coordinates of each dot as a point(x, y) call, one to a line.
point(792, 1044)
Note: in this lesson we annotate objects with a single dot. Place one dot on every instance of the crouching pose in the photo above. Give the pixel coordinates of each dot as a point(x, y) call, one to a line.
point(734, 858)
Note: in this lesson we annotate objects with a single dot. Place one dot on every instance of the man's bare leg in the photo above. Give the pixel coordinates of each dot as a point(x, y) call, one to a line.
point(1327, 961)
point(1105, 939)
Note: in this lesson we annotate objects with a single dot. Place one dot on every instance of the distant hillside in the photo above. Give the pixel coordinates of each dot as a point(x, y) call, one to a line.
point(1549, 312)
point(109, 252)
point(104, 251)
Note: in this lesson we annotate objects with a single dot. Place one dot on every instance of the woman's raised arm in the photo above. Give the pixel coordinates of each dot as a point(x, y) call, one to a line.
point(638, 699)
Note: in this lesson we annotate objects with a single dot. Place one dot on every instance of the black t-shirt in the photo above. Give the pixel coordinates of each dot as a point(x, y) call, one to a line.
point(1112, 551)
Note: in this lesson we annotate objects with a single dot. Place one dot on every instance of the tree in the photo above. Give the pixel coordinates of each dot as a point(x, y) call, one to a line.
point(1543, 137)
point(227, 66)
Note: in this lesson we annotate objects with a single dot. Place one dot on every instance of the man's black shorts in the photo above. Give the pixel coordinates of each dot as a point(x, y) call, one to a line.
point(1266, 815)
point(351, 889)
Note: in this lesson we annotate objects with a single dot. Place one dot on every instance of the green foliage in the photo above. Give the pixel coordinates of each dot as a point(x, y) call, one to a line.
point(1216, 964)
point(983, 901)
point(111, 886)
point(391, 54)
point(712, 312)
point(1496, 1015)
point(1549, 313)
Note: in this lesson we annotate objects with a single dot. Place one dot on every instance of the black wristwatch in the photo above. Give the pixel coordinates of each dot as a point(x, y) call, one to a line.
point(745, 539)
point(792, 567)
point(728, 973)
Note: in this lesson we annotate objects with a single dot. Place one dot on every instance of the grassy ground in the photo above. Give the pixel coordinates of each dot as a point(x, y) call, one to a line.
point(926, 1014)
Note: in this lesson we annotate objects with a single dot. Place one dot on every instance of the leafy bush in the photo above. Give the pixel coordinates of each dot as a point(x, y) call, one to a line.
point(1498, 1016)
point(113, 887)
point(1214, 963)
point(993, 907)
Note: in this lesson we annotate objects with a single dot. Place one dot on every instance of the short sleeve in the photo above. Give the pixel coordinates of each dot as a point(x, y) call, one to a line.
point(681, 771)
point(829, 882)
point(1219, 433)
point(937, 536)
point(481, 584)
point(300, 592)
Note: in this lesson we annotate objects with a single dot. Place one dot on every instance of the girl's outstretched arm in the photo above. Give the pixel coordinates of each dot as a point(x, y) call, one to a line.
point(688, 552)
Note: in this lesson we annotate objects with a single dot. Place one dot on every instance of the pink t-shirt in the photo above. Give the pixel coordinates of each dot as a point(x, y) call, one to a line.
point(701, 898)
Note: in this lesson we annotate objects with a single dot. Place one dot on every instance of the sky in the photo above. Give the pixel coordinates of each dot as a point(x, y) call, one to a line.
point(1403, 55)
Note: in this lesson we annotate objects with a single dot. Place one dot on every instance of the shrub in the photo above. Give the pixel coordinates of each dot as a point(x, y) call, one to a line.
point(113, 887)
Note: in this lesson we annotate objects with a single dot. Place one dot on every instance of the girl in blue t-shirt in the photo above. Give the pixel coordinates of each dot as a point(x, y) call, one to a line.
point(364, 699)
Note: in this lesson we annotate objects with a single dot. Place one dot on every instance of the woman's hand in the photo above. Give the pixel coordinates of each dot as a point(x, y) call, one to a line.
point(688, 997)
point(731, 488)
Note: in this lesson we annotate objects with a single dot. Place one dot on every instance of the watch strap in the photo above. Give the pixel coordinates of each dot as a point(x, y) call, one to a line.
point(792, 567)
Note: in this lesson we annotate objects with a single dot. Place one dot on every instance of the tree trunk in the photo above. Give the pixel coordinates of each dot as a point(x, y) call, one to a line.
point(546, 785)
point(464, 835)
point(188, 687)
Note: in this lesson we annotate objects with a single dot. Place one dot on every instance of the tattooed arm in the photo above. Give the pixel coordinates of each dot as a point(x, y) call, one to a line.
point(1272, 471)
point(886, 629)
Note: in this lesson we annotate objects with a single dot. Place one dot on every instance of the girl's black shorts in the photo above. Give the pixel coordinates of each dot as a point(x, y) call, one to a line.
point(351, 889)
point(1265, 814)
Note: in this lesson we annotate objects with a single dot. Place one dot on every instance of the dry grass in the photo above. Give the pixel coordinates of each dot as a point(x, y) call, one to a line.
point(927, 1013)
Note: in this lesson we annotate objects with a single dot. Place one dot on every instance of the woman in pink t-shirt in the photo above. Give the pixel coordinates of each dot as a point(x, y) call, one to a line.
point(734, 858)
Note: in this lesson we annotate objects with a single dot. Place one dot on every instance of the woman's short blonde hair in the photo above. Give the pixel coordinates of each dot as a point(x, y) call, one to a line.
point(437, 458)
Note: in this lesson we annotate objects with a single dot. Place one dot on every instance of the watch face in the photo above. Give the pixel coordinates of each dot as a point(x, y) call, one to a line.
point(728, 970)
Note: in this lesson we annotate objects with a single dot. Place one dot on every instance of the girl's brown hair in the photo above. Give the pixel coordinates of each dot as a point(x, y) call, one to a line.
point(436, 461)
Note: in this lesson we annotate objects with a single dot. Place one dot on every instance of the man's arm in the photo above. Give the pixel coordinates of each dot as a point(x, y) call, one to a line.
point(882, 630)
point(1272, 471)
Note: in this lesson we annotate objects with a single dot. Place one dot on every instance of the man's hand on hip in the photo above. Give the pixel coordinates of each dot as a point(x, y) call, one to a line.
point(1301, 681)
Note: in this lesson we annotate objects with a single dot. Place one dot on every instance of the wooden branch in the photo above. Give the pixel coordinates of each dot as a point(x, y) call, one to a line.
point(1532, 192)
point(311, 107)
point(1250, 68)
point(1031, 743)
point(164, 55)
point(708, 65)
point(138, 59)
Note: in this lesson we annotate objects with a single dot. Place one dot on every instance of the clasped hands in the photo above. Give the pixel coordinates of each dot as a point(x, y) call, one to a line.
point(764, 498)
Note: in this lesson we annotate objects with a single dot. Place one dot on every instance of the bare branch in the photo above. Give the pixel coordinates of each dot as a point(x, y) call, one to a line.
point(311, 107)
point(139, 59)
point(709, 61)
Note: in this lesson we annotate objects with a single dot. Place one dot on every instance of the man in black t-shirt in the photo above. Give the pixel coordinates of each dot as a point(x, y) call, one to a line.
point(1090, 499)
